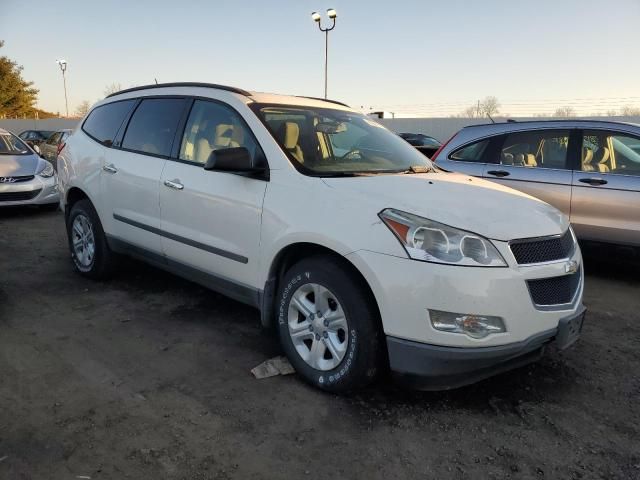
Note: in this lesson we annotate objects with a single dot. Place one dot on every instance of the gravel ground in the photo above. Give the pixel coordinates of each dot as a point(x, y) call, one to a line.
point(147, 377)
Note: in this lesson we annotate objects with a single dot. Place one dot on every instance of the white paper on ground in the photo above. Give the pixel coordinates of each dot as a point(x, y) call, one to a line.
point(272, 367)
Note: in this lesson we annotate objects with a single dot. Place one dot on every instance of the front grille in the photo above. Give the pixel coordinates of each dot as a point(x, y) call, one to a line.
point(18, 196)
point(543, 250)
point(555, 290)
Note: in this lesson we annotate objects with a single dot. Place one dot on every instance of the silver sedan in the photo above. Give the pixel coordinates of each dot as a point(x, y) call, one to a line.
point(25, 178)
point(590, 170)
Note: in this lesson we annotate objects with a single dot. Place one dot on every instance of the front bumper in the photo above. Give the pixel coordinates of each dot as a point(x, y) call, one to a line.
point(433, 367)
point(37, 191)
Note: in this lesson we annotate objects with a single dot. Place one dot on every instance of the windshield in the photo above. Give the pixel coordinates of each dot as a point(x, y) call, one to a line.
point(12, 145)
point(327, 142)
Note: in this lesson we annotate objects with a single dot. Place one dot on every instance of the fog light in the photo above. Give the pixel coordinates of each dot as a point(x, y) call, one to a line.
point(475, 326)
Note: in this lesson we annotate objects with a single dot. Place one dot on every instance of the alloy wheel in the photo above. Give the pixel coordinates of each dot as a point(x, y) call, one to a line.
point(318, 326)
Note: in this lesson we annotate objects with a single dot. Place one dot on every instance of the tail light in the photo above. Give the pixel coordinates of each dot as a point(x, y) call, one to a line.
point(435, 155)
point(60, 147)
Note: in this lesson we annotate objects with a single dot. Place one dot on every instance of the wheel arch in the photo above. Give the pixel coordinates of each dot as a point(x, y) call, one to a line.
point(290, 255)
point(74, 195)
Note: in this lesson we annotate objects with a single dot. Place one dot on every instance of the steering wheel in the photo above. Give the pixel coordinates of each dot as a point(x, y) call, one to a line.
point(350, 153)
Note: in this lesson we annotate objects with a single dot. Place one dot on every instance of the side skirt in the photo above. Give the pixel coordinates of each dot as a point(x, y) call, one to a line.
point(240, 292)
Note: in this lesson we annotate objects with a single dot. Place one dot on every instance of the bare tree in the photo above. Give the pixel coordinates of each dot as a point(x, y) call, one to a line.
point(112, 88)
point(612, 113)
point(82, 108)
point(470, 112)
point(629, 111)
point(490, 106)
point(564, 112)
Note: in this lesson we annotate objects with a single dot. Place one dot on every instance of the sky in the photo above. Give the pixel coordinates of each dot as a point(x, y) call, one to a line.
point(413, 57)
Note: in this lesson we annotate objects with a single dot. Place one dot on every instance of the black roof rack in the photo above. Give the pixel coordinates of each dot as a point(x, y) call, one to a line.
point(183, 84)
point(549, 120)
point(324, 100)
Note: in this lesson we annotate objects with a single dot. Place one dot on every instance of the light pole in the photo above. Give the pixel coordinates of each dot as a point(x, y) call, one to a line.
point(331, 13)
point(63, 68)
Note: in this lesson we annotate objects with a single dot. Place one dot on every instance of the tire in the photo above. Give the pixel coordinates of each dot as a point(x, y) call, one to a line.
point(354, 345)
point(92, 258)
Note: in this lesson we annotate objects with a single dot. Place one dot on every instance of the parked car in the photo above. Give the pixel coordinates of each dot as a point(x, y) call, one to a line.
point(50, 149)
point(345, 237)
point(589, 170)
point(34, 138)
point(25, 178)
point(424, 143)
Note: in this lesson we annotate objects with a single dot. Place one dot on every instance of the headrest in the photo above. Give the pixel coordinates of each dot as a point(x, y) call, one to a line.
point(587, 155)
point(518, 159)
point(602, 155)
point(223, 134)
point(291, 135)
point(507, 159)
point(530, 160)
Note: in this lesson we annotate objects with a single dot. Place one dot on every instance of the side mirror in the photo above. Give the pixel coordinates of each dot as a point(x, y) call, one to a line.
point(234, 160)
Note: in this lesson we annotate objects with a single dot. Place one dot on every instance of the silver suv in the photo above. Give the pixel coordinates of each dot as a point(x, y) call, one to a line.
point(590, 170)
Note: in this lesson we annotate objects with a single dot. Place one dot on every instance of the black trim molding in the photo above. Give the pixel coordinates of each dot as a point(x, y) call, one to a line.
point(186, 241)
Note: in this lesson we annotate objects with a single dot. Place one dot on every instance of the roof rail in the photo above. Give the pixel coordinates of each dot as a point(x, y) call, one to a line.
point(550, 120)
point(324, 100)
point(183, 84)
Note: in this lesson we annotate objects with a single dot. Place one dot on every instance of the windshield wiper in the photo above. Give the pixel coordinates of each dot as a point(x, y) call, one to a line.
point(419, 169)
point(340, 174)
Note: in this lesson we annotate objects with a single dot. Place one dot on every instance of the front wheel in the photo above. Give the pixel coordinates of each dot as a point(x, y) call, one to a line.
point(328, 325)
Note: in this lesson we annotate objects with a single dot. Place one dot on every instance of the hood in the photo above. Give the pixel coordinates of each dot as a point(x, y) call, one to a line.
point(468, 203)
point(19, 165)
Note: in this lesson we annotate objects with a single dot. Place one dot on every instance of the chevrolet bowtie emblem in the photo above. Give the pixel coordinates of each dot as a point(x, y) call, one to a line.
point(571, 267)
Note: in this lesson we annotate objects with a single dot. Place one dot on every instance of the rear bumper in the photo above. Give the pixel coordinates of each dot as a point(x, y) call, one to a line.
point(433, 367)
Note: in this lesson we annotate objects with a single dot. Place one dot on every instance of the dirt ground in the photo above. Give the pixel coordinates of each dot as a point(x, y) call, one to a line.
point(147, 377)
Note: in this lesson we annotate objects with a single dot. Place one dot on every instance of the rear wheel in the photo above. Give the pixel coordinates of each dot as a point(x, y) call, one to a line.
point(328, 325)
point(90, 252)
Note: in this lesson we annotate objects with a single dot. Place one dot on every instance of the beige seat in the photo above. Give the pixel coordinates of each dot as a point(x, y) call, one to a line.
point(289, 135)
point(530, 160)
point(202, 150)
point(587, 158)
point(601, 158)
point(225, 136)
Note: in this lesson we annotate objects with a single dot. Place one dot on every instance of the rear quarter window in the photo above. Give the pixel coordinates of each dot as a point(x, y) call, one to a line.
point(103, 122)
point(473, 152)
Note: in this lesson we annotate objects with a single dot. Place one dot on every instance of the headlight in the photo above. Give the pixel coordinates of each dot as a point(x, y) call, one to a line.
point(47, 171)
point(430, 241)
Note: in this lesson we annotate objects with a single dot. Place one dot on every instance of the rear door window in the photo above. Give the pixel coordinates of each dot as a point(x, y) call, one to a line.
point(103, 122)
point(153, 125)
point(610, 152)
point(53, 139)
point(536, 149)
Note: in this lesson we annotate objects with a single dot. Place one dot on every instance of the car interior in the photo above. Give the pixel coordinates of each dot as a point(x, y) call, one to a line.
point(535, 150)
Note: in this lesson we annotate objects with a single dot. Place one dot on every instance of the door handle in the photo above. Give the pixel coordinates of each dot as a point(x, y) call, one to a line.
point(499, 173)
point(175, 184)
point(111, 168)
point(593, 181)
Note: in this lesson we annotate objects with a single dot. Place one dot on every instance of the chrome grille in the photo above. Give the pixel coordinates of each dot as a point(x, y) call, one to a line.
point(528, 251)
point(554, 291)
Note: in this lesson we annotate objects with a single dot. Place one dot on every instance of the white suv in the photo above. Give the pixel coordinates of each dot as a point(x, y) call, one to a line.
point(347, 239)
